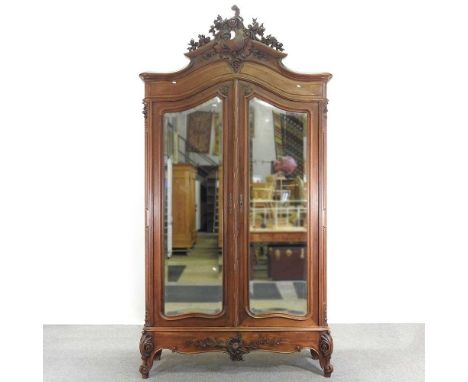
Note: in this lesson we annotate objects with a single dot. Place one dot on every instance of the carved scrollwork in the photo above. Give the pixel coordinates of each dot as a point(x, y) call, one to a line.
point(324, 352)
point(147, 349)
point(326, 344)
point(146, 345)
point(314, 354)
point(233, 41)
point(235, 346)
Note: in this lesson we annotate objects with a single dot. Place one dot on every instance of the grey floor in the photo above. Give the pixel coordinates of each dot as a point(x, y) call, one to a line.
point(364, 352)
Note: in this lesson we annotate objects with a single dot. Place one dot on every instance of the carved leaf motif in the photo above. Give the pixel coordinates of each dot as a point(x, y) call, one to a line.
point(325, 108)
point(224, 90)
point(147, 319)
point(145, 108)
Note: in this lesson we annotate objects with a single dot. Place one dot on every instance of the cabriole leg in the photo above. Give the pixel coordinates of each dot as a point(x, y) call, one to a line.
point(148, 353)
point(324, 353)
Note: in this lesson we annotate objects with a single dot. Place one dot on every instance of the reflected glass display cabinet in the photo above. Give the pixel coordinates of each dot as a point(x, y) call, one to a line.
point(235, 201)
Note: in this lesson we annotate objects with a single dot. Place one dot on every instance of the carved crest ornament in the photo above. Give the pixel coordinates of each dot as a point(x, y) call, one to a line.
point(232, 41)
point(235, 346)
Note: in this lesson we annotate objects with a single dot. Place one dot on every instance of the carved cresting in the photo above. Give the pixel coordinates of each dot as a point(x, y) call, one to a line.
point(235, 346)
point(235, 49)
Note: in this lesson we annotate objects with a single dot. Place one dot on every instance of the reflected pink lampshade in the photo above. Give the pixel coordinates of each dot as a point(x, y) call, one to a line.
point(286, 164)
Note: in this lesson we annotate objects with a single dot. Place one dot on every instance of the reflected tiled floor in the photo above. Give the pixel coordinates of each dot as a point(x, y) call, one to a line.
point(195, 284)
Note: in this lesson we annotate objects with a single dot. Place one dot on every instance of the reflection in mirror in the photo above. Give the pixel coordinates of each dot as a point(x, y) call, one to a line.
point(278, 210)
point(193, 240)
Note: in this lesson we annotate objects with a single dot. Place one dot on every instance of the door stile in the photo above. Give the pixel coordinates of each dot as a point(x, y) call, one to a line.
point(314, 211)
point(322, 150)
point(242, 132)
point(236, 282)
point(230, 223)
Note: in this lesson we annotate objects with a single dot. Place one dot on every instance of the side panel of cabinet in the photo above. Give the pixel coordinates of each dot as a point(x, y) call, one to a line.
point(283, 251)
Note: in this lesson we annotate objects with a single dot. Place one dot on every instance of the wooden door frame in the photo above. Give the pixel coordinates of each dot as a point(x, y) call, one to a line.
point(248, 91)
point(155, 211)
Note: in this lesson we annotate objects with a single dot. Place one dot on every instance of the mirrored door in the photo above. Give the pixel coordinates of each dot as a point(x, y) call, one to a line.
point(278, 209)
point(193, 210)
point(280, 225)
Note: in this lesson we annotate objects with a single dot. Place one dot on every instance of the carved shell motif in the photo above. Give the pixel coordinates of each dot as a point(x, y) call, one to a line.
point(232, 41)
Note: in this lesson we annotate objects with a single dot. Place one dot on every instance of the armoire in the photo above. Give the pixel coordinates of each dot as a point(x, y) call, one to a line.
point(235, 201)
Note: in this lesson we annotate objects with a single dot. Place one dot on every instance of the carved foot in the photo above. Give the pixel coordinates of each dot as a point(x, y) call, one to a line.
point(144, 372)
point(148, 353)
point(324, 353)
point(327, 371)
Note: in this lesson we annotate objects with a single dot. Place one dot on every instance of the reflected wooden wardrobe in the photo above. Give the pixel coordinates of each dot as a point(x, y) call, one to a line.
point(235, 201)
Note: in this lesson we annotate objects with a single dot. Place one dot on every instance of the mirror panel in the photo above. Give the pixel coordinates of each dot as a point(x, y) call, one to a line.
point(193, 206)
point(277, 210)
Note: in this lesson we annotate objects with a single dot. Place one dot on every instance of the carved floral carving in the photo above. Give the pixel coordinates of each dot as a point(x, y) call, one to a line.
point(232, 41)
point(235, 346)
point(224, 90)
point(248, 90)
point(146, 345)
point(145, 108)
point(325, 108)
point(147, 318)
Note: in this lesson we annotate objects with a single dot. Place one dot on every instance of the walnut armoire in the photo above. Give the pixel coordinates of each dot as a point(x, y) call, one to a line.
point(244, 139)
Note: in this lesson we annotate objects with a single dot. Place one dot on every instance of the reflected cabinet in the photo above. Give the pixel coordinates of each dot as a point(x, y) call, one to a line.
point(235, 201)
